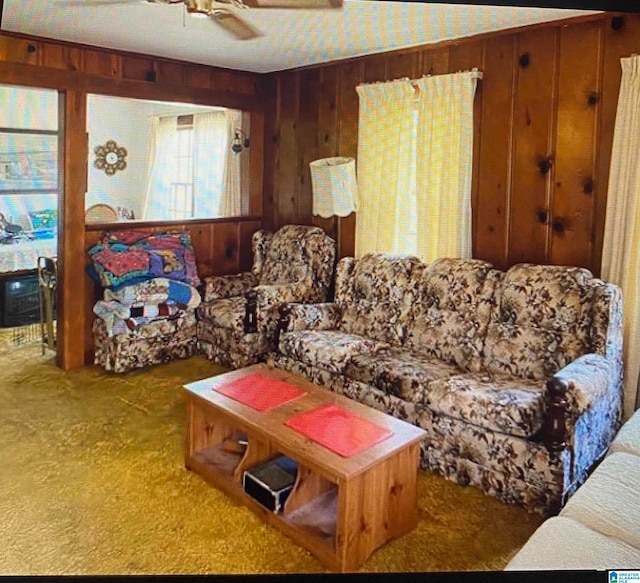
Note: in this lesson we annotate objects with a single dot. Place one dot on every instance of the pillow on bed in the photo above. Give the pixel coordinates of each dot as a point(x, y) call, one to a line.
point(44, 223)
point(45, 219)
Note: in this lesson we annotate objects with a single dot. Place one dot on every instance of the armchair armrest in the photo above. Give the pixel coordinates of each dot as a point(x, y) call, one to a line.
point(227, 286)
point(572, 391)
point(262, 298)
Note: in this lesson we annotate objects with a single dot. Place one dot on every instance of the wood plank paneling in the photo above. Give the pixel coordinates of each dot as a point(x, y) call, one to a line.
point(327, 132)
point(349, 77)
point(494, 158)
point(101, 63)
point(61, 57)
point(287, 151)
point(18, 50)
point(307, 128)
point(170, 73)
point(138, 69)
point(402, 65)
point(375, 69)
point(436, 61)
point(532, 157)
point(224, 257)
point(573, 195)
point(201, 77)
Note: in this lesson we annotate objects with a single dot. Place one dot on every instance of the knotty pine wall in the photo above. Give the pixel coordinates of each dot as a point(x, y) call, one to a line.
point(221, 246)
point(544, 119)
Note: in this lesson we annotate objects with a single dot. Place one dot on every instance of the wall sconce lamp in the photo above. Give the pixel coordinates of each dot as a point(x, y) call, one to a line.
point(239, 143)
point(335, 190)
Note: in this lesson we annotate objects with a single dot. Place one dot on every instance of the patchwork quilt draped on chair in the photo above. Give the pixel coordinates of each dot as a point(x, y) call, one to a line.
point(147, 314)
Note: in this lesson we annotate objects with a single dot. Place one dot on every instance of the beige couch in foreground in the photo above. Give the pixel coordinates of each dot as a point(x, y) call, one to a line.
point(599, 528)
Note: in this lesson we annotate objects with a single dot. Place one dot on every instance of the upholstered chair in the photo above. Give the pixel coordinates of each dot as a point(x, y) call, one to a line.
point(237, 320)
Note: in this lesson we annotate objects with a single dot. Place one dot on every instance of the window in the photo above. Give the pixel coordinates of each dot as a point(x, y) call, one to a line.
point(29, 138)
point(181, 202)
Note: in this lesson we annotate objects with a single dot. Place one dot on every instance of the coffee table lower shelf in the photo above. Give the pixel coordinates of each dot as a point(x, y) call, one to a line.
point(311, 525)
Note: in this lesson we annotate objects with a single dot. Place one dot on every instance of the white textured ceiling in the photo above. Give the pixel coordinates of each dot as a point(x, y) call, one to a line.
point(292, 38)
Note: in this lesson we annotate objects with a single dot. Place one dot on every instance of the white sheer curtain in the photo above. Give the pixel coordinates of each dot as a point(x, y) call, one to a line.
point(415, 160)
point(621, 246)
point(444, 162)
point(211, 150)
point(231, 200)
point(384, 166)
point(162, 168)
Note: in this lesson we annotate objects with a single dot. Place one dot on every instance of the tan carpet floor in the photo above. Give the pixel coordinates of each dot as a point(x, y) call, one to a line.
point(92, 481)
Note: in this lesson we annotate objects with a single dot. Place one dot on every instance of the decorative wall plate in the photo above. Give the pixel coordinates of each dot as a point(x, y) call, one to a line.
point(110, 157)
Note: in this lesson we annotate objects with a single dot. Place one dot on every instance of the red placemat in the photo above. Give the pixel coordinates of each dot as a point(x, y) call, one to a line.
point(338, 430)
point(260, 392)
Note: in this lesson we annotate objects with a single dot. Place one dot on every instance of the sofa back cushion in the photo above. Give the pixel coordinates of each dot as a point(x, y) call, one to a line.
point(451, 311)
point(374, 294)
point(541, 321)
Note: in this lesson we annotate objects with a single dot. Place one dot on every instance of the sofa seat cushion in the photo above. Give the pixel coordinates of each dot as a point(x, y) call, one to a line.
point(224, 313)
point(398, 372)
point(562, 543)
point(494, 402)
point(608, 501)
point(326, 349)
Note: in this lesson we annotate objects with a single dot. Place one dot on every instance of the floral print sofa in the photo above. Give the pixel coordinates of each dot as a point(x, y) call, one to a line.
point(238, 317)
point(515, 376)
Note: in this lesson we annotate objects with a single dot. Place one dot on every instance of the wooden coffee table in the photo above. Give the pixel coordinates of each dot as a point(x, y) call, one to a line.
point(340, 509)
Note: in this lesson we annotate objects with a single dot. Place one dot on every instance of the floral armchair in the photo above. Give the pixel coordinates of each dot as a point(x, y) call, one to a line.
point(237, 320)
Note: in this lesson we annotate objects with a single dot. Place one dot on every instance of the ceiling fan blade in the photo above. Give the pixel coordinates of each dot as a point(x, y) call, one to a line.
point(235, 25)
point(312, 4)
point(91, 3)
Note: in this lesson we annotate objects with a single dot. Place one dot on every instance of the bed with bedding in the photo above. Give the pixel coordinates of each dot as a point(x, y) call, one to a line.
point(32, 235)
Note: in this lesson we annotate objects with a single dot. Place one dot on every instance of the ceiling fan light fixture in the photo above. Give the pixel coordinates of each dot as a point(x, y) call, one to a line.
point(198, 8)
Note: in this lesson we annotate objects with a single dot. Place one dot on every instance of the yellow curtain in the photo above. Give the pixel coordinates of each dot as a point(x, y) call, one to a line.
point(621, 246)
point(384, 165)
point(444, 159)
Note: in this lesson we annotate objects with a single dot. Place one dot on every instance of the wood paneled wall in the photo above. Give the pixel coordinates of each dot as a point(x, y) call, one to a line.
point(544, 118)
point(221, 246)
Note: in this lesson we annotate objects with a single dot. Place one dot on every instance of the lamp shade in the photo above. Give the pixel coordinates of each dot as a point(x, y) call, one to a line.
point(335, 190)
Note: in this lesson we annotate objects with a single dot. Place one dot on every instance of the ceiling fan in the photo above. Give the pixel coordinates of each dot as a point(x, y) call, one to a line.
point(225, 13)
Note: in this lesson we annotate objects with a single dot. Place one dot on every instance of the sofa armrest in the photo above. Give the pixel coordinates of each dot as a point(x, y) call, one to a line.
point(227, 286)
point(572, 391)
